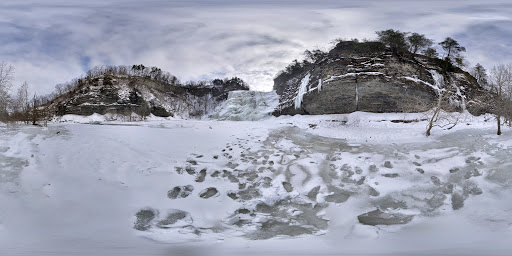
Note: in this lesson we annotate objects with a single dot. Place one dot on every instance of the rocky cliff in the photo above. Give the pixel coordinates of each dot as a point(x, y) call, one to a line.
point(125, 94)
point(369, 77)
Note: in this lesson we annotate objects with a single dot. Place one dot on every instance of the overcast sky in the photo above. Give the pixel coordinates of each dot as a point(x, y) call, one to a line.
point(52, 41)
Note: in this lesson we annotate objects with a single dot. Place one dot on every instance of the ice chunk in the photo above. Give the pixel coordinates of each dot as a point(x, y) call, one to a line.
point(209, 192)
point(175, 218)
point(145, 218)
point(457, 201)
point(180, 192)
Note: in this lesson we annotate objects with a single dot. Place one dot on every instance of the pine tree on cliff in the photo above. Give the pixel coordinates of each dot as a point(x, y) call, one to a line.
point(418, 42)
point(394, 39)
point(452, 47)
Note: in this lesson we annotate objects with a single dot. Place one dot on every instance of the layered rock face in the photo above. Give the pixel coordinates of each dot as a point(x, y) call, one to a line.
point(368, 77)
point(125, 95)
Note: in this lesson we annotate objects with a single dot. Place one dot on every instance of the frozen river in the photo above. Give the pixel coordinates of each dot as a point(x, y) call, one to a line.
point(350, 185)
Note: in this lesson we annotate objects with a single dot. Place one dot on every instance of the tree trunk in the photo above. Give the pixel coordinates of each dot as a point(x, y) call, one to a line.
point(498, 119)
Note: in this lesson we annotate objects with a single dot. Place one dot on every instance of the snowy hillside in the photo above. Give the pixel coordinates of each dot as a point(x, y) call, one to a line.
point(132, 97)
point(335, 185)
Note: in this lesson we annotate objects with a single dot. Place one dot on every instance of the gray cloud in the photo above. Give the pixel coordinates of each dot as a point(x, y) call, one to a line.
point(53, 41)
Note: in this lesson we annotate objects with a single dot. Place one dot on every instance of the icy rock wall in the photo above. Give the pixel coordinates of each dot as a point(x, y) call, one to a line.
point(247, 106)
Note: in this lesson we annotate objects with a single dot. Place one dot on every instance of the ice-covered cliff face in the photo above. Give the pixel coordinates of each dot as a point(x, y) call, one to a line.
point(247, 106)
point(127, 95)
point(368, 77)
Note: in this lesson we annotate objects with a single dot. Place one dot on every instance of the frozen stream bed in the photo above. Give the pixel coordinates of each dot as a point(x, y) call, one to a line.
point(354, 184)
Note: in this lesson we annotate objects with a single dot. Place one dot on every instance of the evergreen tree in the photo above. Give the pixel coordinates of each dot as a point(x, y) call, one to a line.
point(394, 39)
point(452, 47)
point(418, 42)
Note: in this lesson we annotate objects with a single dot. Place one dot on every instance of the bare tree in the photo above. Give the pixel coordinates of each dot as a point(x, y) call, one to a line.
point(59, 89)
point(443, 114)
point(438, 117)
point(500, 82)
point(22, 104)
point(35, 110)
point(6, 77)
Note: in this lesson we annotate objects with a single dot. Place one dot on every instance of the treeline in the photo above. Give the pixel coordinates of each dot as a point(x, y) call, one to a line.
point(20, 106)
point(401, 44)
point(109, 72)
point(152, 73)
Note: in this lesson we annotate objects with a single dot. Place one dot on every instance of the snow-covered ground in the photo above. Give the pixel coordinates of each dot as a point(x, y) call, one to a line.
point(356, 184)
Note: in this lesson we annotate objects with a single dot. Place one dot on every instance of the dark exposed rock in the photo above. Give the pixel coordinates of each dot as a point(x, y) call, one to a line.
point(374, 192)
point(448, 188)
point(233, 195)
point(435, 180)
point(337, 195)
point(471, 188)
point(144, 219)
point(243, 211)
point(273, 228)
point(287, 186)
point(437, 200)
point(201, 176)
point(454, 170)
point(174, 216)
point(457, 201)
point(378, 217)
point(472, 173)
point(209, 192)
point(313, 193)
point(180, 192)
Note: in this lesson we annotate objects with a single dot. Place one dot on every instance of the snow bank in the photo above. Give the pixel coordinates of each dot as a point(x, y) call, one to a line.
point(247, 106)
point(94, 118)
point(97, 118)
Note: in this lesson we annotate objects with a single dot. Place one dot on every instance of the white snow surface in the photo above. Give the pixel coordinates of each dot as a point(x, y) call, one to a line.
point(80, 189)
point(247, 106)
